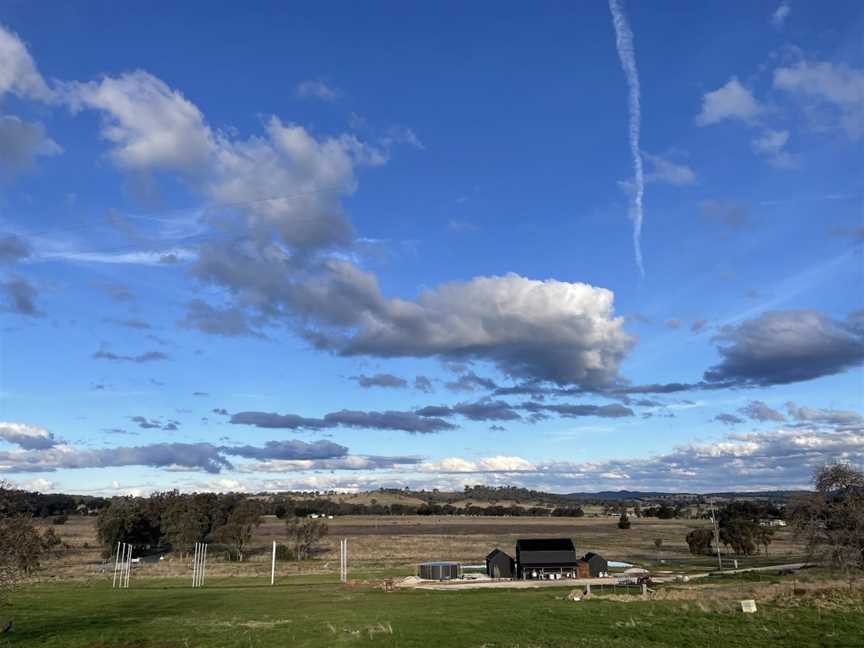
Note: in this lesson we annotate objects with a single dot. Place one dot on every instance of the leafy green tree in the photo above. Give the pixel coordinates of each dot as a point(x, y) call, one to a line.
point(183, 523)
point(132, 520)
point(237, 531)
point(699, 541)
point(740, 525)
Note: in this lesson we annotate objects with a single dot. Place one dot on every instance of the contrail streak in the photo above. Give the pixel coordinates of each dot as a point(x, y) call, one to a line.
point(624, 43)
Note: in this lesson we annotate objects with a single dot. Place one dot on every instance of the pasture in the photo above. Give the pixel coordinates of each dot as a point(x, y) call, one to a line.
point(397, 543)
point(314, 611)
point(70, 602)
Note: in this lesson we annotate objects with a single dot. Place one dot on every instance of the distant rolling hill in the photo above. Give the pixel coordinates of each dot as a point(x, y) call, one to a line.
point(643, 495)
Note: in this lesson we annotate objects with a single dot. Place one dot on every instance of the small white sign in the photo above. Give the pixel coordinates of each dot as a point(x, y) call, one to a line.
point(748, 607)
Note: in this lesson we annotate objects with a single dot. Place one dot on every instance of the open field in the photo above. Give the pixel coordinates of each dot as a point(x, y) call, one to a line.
point(70, 601)
point(397, 543)
point(314, 611)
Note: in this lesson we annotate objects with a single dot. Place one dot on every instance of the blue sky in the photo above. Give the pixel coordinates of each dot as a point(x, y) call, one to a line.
point(348, 246)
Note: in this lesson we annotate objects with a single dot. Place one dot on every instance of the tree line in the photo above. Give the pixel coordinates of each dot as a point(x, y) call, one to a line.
point(282, 506)
point(170, 520)
point(173, 521)
point(830, 521)
point(21, 502)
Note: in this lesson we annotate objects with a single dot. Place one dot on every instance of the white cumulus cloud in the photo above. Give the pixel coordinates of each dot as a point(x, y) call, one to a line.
point(149, 124)
point(730, 101)
point(29, 437)
point(18, 72)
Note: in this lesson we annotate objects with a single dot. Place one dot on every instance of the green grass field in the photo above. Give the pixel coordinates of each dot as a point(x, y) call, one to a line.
point(314, 612)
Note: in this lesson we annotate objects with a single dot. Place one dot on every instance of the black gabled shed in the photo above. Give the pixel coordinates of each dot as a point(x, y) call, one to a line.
point(597, 564)
point(539, 557)
point(500, 565)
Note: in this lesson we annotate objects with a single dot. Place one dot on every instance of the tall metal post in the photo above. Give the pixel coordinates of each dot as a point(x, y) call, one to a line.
point(203, 565)
point(116, 565)
point(195, 566)
point(128, 565)
point(273, 566)
point(343, 560)
point(122, 575)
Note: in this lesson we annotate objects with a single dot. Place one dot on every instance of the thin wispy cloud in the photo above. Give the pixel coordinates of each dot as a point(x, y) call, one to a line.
point(316, 89)
point(137, 257)
point(778, 18)
point(627, 54)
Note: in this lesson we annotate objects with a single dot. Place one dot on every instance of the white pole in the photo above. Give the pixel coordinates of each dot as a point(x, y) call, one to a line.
point(194, 565)
point(204, 565)
point(122, 566)
point(116, 563)
point(273, 566)
point(129, 567)
point(343, 560)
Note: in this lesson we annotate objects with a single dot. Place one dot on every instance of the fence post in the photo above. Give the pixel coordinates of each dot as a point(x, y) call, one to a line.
point(273, 566)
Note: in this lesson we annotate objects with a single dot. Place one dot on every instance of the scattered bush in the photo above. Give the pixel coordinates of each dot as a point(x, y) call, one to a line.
point(303, 536)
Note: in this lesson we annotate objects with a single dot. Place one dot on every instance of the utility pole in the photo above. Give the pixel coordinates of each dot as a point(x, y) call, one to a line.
point(716, 537)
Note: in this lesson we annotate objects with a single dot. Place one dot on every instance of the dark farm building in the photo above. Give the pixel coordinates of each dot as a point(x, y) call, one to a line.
point(597, 564)
point(500, 565)
point(546, 558)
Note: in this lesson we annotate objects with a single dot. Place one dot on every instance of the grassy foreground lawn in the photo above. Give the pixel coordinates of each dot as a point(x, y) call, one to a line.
point(238, 612)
